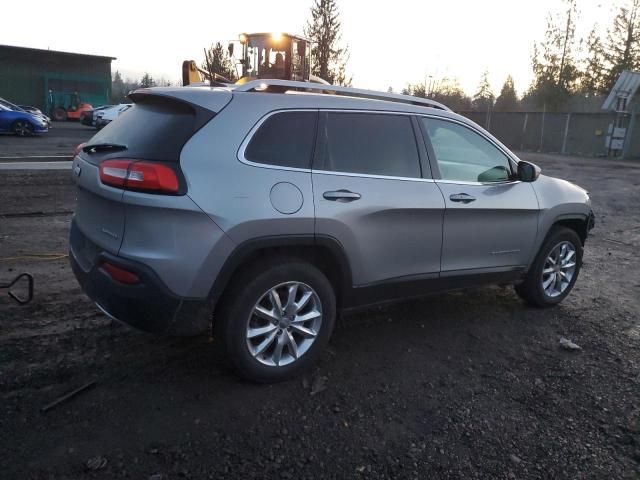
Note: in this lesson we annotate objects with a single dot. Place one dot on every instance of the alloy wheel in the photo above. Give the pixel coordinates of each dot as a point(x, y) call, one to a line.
point(284, 323)
point(22, 129)
point(559, 268)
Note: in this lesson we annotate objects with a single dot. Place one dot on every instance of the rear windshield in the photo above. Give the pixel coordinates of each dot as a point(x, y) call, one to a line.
point(155, 128)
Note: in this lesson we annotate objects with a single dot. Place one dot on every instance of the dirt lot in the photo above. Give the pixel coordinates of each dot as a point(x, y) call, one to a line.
point(61, 139)
point(463, 385)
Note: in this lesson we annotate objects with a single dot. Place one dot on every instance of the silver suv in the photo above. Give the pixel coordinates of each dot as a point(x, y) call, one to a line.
point(262, 210)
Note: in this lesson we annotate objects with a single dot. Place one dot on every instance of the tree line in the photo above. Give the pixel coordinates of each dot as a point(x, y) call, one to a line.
point(120, 86)
point(565, 68)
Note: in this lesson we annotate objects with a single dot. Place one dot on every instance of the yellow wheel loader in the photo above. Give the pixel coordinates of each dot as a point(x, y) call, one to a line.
point(278, 56)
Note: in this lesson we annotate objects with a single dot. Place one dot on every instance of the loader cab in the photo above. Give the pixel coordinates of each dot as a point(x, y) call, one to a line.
point(275, 55)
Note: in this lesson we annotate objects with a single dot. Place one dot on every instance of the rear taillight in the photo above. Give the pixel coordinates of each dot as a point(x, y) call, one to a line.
point(139, 175)
point(120, 274)
point(79, 148)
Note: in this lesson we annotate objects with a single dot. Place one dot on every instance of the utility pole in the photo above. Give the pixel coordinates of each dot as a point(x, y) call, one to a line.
point(564, 48)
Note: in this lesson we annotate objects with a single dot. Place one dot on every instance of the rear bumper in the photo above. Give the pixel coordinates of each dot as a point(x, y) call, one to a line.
point(147, 305)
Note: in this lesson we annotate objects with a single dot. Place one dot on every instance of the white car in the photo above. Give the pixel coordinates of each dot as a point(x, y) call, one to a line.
point(107, 115)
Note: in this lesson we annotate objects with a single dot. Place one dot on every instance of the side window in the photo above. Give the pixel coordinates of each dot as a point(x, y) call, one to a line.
point(284, 139)
point(368, 143)
point(464, 155)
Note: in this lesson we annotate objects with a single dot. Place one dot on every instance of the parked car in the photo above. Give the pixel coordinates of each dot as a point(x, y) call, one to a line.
point(37, 112)
point(89, 117)
point(107, 115)
point(269, 213)
point(20, 122)
point(31, 110)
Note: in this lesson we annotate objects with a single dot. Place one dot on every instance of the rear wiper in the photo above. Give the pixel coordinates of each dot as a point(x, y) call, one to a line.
point(103, 146)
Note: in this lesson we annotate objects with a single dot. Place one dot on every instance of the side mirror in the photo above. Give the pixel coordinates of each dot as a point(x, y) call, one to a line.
point(230, 49)
point(528, 172)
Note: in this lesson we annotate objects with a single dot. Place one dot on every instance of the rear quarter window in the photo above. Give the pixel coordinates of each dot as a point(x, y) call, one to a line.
point(284, 139)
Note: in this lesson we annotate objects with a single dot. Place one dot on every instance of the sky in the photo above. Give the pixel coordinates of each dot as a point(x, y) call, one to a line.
point(390, 44)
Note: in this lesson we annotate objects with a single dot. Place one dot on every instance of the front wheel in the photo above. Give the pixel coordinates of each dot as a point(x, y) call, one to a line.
point(276, 320)
point(22, 128)
point(554, 271)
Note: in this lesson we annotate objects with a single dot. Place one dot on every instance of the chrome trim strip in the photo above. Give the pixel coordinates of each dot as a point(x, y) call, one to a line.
point(364, 175)
point(486, 184)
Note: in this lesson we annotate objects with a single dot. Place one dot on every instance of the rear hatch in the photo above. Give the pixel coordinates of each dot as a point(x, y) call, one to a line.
point(150, 133)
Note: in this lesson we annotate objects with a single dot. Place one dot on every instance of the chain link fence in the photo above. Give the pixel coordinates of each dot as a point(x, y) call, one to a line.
point(567, 133)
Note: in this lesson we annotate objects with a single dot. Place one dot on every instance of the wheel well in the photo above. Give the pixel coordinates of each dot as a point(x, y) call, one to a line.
point(322, 257)
point(577, 225)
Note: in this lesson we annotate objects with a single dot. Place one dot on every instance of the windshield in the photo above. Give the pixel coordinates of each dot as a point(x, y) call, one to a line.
point(10, 106)
point(266, 58)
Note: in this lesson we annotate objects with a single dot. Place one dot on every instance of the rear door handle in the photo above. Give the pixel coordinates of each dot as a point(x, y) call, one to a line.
point(462, 197)
point(341, 196)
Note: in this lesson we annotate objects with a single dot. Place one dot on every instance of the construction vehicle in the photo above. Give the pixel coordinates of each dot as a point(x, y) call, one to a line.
point(278, 56)
point(67, 106)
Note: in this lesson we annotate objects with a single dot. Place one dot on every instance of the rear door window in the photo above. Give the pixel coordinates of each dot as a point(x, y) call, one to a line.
point(369, 144)
point(285, 139)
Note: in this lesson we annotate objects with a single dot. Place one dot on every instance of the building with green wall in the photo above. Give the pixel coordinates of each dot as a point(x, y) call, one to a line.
point(43, 78)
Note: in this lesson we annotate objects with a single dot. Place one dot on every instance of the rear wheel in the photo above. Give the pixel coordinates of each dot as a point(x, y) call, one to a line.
point(276, 319)
point(60, 114)
point(22, 128)
point(554, 271)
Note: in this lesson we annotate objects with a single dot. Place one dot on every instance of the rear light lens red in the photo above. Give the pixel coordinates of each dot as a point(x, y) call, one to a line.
point(139, 175)
point(79, 148)
point(120, 274)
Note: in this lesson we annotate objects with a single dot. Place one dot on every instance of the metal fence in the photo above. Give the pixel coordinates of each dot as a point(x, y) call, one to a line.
point(569, 133)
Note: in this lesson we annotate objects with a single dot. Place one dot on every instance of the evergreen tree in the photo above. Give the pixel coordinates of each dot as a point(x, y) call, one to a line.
point(622, 51)
point(449, 92)
point(554, 60)
point(217, 59)
point(446, 90)
point(147, 81)
point(117, 88)
point(593, 77)
point(507, 101)
point(120, 88)
point(328, 58)
point(484, 98)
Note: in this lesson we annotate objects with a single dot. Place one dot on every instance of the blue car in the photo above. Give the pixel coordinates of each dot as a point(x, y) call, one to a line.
point(15, 120)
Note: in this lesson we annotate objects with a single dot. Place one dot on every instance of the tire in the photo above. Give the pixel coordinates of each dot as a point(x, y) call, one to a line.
point(22, 128)
point(60, 114)
point(546, 284)
point(289, 334)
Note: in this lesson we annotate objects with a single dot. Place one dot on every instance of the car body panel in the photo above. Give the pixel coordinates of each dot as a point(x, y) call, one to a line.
point(238, 196)
point(497, 229)
point(400, 231)
point(558, 200)
point(99, 213)
point(394, 229)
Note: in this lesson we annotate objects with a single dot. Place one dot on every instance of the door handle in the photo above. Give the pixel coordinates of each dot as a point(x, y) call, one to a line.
point(462, 197)
point(341, 196)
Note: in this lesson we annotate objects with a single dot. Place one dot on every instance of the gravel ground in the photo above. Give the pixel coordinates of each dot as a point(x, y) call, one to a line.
point(462, 385)
point(61, 139)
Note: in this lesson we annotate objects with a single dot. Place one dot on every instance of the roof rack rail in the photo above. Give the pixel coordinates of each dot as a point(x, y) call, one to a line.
point(264, 84)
